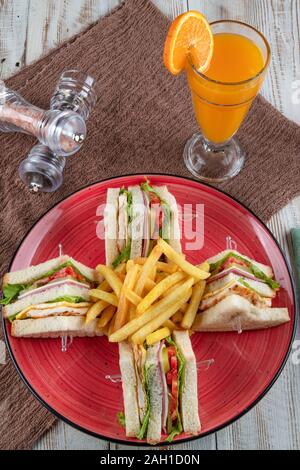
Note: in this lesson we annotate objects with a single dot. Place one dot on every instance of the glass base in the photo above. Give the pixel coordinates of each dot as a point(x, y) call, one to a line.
point(213, 163)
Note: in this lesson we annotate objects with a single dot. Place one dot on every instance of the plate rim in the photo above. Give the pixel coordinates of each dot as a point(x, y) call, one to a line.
point(185, 439)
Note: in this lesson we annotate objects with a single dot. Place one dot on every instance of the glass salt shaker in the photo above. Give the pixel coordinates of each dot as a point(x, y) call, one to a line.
point(42, 170)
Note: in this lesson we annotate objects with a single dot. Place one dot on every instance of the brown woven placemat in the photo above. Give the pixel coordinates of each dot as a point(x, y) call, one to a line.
point(141, 122)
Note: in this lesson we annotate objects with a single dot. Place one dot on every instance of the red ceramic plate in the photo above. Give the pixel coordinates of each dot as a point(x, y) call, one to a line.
point(73, 385)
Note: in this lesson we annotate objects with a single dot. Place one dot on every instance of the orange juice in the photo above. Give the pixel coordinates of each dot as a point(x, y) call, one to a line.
point(223, 95)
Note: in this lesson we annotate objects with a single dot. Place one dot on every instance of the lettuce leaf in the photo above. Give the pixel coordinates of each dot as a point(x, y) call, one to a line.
point(214, 268)
point(11, 292)
point(12, 317)
point(121, 418)
point(123, 256)
point(245, 283)
point(144, 427)
point(74, 299)
point(129, 203)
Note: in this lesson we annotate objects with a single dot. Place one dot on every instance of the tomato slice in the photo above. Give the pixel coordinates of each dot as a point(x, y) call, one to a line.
point(174, 399)
point(173, 362)
point(169, 378)
point(154, 199)
point(171, 351)
point(65, 272)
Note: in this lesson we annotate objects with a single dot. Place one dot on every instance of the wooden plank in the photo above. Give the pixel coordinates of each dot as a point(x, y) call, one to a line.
point(64, 437)
point(13, 33)
point(30, 28)
point(52, 22)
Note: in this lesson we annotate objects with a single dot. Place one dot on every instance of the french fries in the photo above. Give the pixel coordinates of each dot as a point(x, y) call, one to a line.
point(147, 268)
point(170, 324)
point(139, 336)
point(132, 296)
point(172, 288)
point(106, 296)
point(158, 290)
point(103, 286)
point(184, 307)
point(123, 304)
point(95, 310)
point(146, 298)
point(157, 335)
point(204, 266)
point(111, 277)
point(155, 310)
point(111, 326)
point(149, 284)
point(177, 317)
point(106, 316)
point(177, 258)
point(190, 314)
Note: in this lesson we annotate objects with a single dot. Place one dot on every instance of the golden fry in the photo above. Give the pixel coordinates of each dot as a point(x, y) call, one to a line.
point(149, 284)
point(121, 268)
point(146, 270)
point(172, 288)
point(106, 296)
point(161, 276)
point(158, 290)
point(187, 267)
point(123, 305)
point(121, 276)
point(153, 273)
point(154, 311)
point(140, 260)
point(95, 310)
point(184, 307)
point(170, 324)
point(169, 268)
point(192, 309)
point(102, 286)
point(157, 335)
point(129, 264)
point(204, 266)
point(111, 326)
point(106, 316)
point(111, 277)
point(132, 310)
point(132, 296)
point(177, 317)
point(139, 336)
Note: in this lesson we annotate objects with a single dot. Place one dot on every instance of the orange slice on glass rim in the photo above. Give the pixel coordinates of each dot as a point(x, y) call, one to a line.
point(189, 33)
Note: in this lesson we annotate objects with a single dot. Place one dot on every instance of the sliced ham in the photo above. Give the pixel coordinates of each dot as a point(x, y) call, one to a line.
point(54, 285)
point(234, 270)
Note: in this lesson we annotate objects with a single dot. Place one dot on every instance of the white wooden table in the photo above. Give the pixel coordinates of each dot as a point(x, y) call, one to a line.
point(29, 28)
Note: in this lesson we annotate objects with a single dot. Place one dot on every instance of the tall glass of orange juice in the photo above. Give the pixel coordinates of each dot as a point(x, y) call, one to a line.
point(222, 96)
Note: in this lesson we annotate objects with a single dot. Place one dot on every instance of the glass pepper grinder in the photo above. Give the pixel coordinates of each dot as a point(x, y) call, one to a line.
point(62, 131)
point(42, 170)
